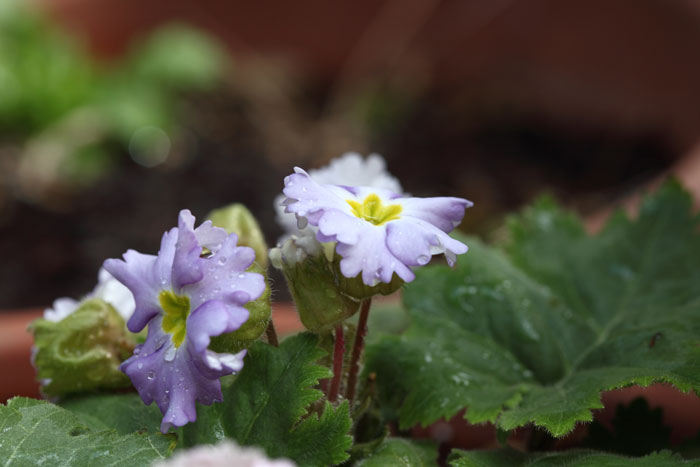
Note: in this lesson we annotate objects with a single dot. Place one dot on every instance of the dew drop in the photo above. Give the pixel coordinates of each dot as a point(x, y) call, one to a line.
point(139, 366)
point(241, 276)
point(151, 375)
point(170, 354)
point(222, 260)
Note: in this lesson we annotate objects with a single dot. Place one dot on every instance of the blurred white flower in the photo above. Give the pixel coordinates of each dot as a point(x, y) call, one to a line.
point(108, 289)
point(223, 454)
point(350, 169)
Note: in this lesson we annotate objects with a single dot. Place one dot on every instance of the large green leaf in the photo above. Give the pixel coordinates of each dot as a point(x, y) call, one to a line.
point(576, 458)
point(535, 335)
point(37, 432)
point(401, 452)
point(271, 404)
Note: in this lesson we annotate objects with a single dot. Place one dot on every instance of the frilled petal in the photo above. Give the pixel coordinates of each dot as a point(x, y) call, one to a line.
point(187, 265)
point(445, 213)
point(414, 241)
point(306, 197)
point(371, 256)
point(213, 318)
point(225, 277)
point(145, 276)
point(173, 377)
point(210, 237)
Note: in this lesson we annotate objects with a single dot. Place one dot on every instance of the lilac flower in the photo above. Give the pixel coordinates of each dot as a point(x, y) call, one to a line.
point(185, 298)
point(378, 232)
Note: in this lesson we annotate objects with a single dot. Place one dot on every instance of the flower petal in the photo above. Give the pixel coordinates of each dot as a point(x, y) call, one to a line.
point(213, 318)
point(187, 268)
point(372, 258)
point(445, 213)
point(225, 277)
point(137, 272)
point(413, 241)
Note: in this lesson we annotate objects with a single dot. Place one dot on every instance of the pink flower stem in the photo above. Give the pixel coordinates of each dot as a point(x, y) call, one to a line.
point(338, 354)
point(357, 349)
point(272, 334)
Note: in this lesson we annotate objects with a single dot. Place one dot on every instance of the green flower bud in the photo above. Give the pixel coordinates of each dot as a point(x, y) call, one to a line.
point(237, 219)
point(313, 284)
point(83, 351)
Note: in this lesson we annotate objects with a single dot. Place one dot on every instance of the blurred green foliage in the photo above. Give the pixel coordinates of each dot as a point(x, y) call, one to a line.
point(57, 102)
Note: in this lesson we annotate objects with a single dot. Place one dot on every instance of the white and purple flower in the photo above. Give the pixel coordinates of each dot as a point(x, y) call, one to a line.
point(378, 232)
point(186, 297)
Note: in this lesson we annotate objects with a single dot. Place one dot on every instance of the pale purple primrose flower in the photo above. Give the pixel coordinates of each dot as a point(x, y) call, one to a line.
point(378, 232)
point(186, 297)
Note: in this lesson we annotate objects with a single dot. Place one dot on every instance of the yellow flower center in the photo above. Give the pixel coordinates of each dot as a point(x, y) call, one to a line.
point(176, 309)
point(372, 210)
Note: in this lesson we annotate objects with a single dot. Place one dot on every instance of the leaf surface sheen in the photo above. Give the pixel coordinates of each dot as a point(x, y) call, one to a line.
point(536, 333)
point(34, 432)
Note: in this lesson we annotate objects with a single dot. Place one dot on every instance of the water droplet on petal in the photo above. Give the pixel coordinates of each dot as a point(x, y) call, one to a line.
point(241, 276)
point(170, 354)
point(139, 366)
point(151, 375)
point(222, 260)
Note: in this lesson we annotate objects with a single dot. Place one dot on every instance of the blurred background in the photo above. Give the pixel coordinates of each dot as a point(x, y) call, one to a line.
point(116, 114)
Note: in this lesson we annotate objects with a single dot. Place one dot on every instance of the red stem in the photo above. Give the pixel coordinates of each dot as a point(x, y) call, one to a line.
point(272, 334)
point(357, 349)
point(338, 353)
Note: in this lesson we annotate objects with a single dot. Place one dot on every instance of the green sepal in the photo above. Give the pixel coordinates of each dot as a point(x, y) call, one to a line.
point(318, 299)
point(237, 219)
point(83, 351)
point(260, 311)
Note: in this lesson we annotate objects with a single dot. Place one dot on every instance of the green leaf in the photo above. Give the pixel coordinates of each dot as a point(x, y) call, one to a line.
point(125, 413)
point(536, 335)
point(37, 432)
point(574, 458)
point(402, 453)
point(83, 351)
point(270, 405)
